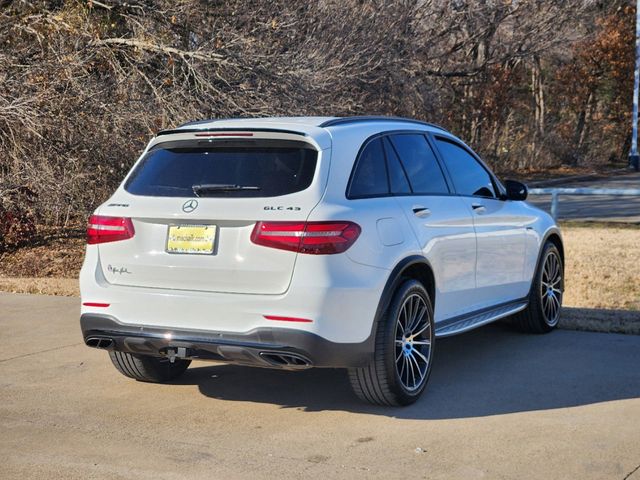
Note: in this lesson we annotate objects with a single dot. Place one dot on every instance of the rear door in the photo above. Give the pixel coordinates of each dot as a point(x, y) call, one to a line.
point(194, 204)
point(440, 220)
point(500, 226)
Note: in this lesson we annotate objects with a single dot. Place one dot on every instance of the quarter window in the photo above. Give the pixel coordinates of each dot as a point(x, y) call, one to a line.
point(397, 177)
point(370, 176)
point(469, 177)
point(420, 164)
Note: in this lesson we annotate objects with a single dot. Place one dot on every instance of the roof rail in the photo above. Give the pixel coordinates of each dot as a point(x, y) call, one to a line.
point(377, 118)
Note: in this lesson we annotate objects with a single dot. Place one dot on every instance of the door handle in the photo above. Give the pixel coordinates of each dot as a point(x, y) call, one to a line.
point(420, 211)
point(478, 207)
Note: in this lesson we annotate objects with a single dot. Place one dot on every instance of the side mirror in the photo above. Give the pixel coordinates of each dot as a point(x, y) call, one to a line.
point(515, 190)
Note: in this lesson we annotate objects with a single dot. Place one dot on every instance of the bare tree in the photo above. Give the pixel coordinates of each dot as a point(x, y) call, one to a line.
point(86, 83)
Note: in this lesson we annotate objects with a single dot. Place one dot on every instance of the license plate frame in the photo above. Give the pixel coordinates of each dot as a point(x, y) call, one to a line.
point(185, 246)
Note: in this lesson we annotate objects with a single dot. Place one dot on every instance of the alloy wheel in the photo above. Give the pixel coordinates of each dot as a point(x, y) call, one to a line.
point(551, 288)
point(413, 337)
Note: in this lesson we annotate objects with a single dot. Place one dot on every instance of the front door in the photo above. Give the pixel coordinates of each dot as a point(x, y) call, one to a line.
point(499, 225)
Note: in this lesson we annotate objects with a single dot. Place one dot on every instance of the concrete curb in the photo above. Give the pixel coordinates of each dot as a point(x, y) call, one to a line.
point(604, 321)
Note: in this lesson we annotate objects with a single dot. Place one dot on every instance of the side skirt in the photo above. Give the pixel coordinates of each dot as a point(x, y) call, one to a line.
point(469, 321)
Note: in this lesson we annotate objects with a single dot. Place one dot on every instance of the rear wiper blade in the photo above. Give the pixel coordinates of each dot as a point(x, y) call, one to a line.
point(215, 187)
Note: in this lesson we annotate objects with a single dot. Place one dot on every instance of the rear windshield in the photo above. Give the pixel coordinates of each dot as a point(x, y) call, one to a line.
point(222, 168)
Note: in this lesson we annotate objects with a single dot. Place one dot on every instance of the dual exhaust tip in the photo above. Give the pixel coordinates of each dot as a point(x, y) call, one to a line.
point(285, 360)
point(104, 343)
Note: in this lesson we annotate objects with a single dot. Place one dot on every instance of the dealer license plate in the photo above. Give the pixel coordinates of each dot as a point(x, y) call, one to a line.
point(192, 239)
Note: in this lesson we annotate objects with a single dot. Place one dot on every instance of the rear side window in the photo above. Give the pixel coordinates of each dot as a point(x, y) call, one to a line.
point(469, 177)
point(420, 164)
point(257, 168)
point(370, 176)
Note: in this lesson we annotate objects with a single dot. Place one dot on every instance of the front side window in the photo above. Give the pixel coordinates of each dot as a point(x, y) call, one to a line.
point(420, 164)
point(469, 177)
point(370, 176)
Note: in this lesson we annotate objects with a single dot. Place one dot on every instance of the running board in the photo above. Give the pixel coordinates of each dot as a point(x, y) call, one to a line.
point(473, 320)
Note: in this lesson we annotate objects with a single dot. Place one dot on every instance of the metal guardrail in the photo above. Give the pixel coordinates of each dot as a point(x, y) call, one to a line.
point(556, 192)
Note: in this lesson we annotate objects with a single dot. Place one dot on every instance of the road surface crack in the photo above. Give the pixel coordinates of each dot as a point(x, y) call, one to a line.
point(631, 472)
point(40, 351)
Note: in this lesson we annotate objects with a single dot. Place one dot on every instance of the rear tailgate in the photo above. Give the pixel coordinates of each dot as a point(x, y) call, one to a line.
point(185, 241)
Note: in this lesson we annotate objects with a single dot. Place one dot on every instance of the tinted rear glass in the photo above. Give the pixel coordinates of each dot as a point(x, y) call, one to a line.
point(370, 176)
point(397, 176)
point(270, 168)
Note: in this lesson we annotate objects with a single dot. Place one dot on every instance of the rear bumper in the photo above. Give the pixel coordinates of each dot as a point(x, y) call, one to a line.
point(263, 347)
point(339, 296)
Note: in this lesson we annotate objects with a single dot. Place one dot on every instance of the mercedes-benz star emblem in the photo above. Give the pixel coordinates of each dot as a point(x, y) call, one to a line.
point(190, 205)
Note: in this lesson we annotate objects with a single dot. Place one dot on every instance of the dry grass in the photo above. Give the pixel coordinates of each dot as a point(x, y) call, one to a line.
point(51, 267)
point(55, 256)
point(602, 271)
point(602, 266)
point(66, 287)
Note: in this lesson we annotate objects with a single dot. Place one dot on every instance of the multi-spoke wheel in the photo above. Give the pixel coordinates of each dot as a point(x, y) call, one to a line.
point(551, 288)
point(400, 369)
point(545, 299)
point(413, 342)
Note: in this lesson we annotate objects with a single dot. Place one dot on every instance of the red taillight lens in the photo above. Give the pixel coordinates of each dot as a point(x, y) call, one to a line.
point(108, 229)
point(316, 238)
point(279, 318)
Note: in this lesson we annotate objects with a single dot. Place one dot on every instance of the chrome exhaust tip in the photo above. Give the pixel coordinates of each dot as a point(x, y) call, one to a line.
point(104, 343)
point(286, 360)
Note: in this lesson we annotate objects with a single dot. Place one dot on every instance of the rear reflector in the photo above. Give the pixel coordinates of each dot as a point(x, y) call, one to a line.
point(287, 319)
point(316, 238)
point(108, 229)
point(94, 304)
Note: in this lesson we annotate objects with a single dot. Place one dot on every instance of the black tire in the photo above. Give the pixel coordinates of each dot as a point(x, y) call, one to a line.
point(536, 318)
point(145, 368)
point(380, 382)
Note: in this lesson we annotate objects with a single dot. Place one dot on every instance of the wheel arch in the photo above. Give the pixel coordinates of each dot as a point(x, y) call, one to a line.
point(413, 267)
point(553, 236)
point(422, 271)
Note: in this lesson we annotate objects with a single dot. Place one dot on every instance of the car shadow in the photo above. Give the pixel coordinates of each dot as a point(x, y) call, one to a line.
point(489, 371)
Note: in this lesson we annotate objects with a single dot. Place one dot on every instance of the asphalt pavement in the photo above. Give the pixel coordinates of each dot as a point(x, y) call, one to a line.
point(603, 208)
point(499, 405)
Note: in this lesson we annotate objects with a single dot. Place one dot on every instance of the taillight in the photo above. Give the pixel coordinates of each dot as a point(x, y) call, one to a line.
point(316, 238)
point(108, 229)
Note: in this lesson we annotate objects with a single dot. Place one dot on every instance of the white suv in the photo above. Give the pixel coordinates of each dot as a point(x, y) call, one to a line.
point(312, 242)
